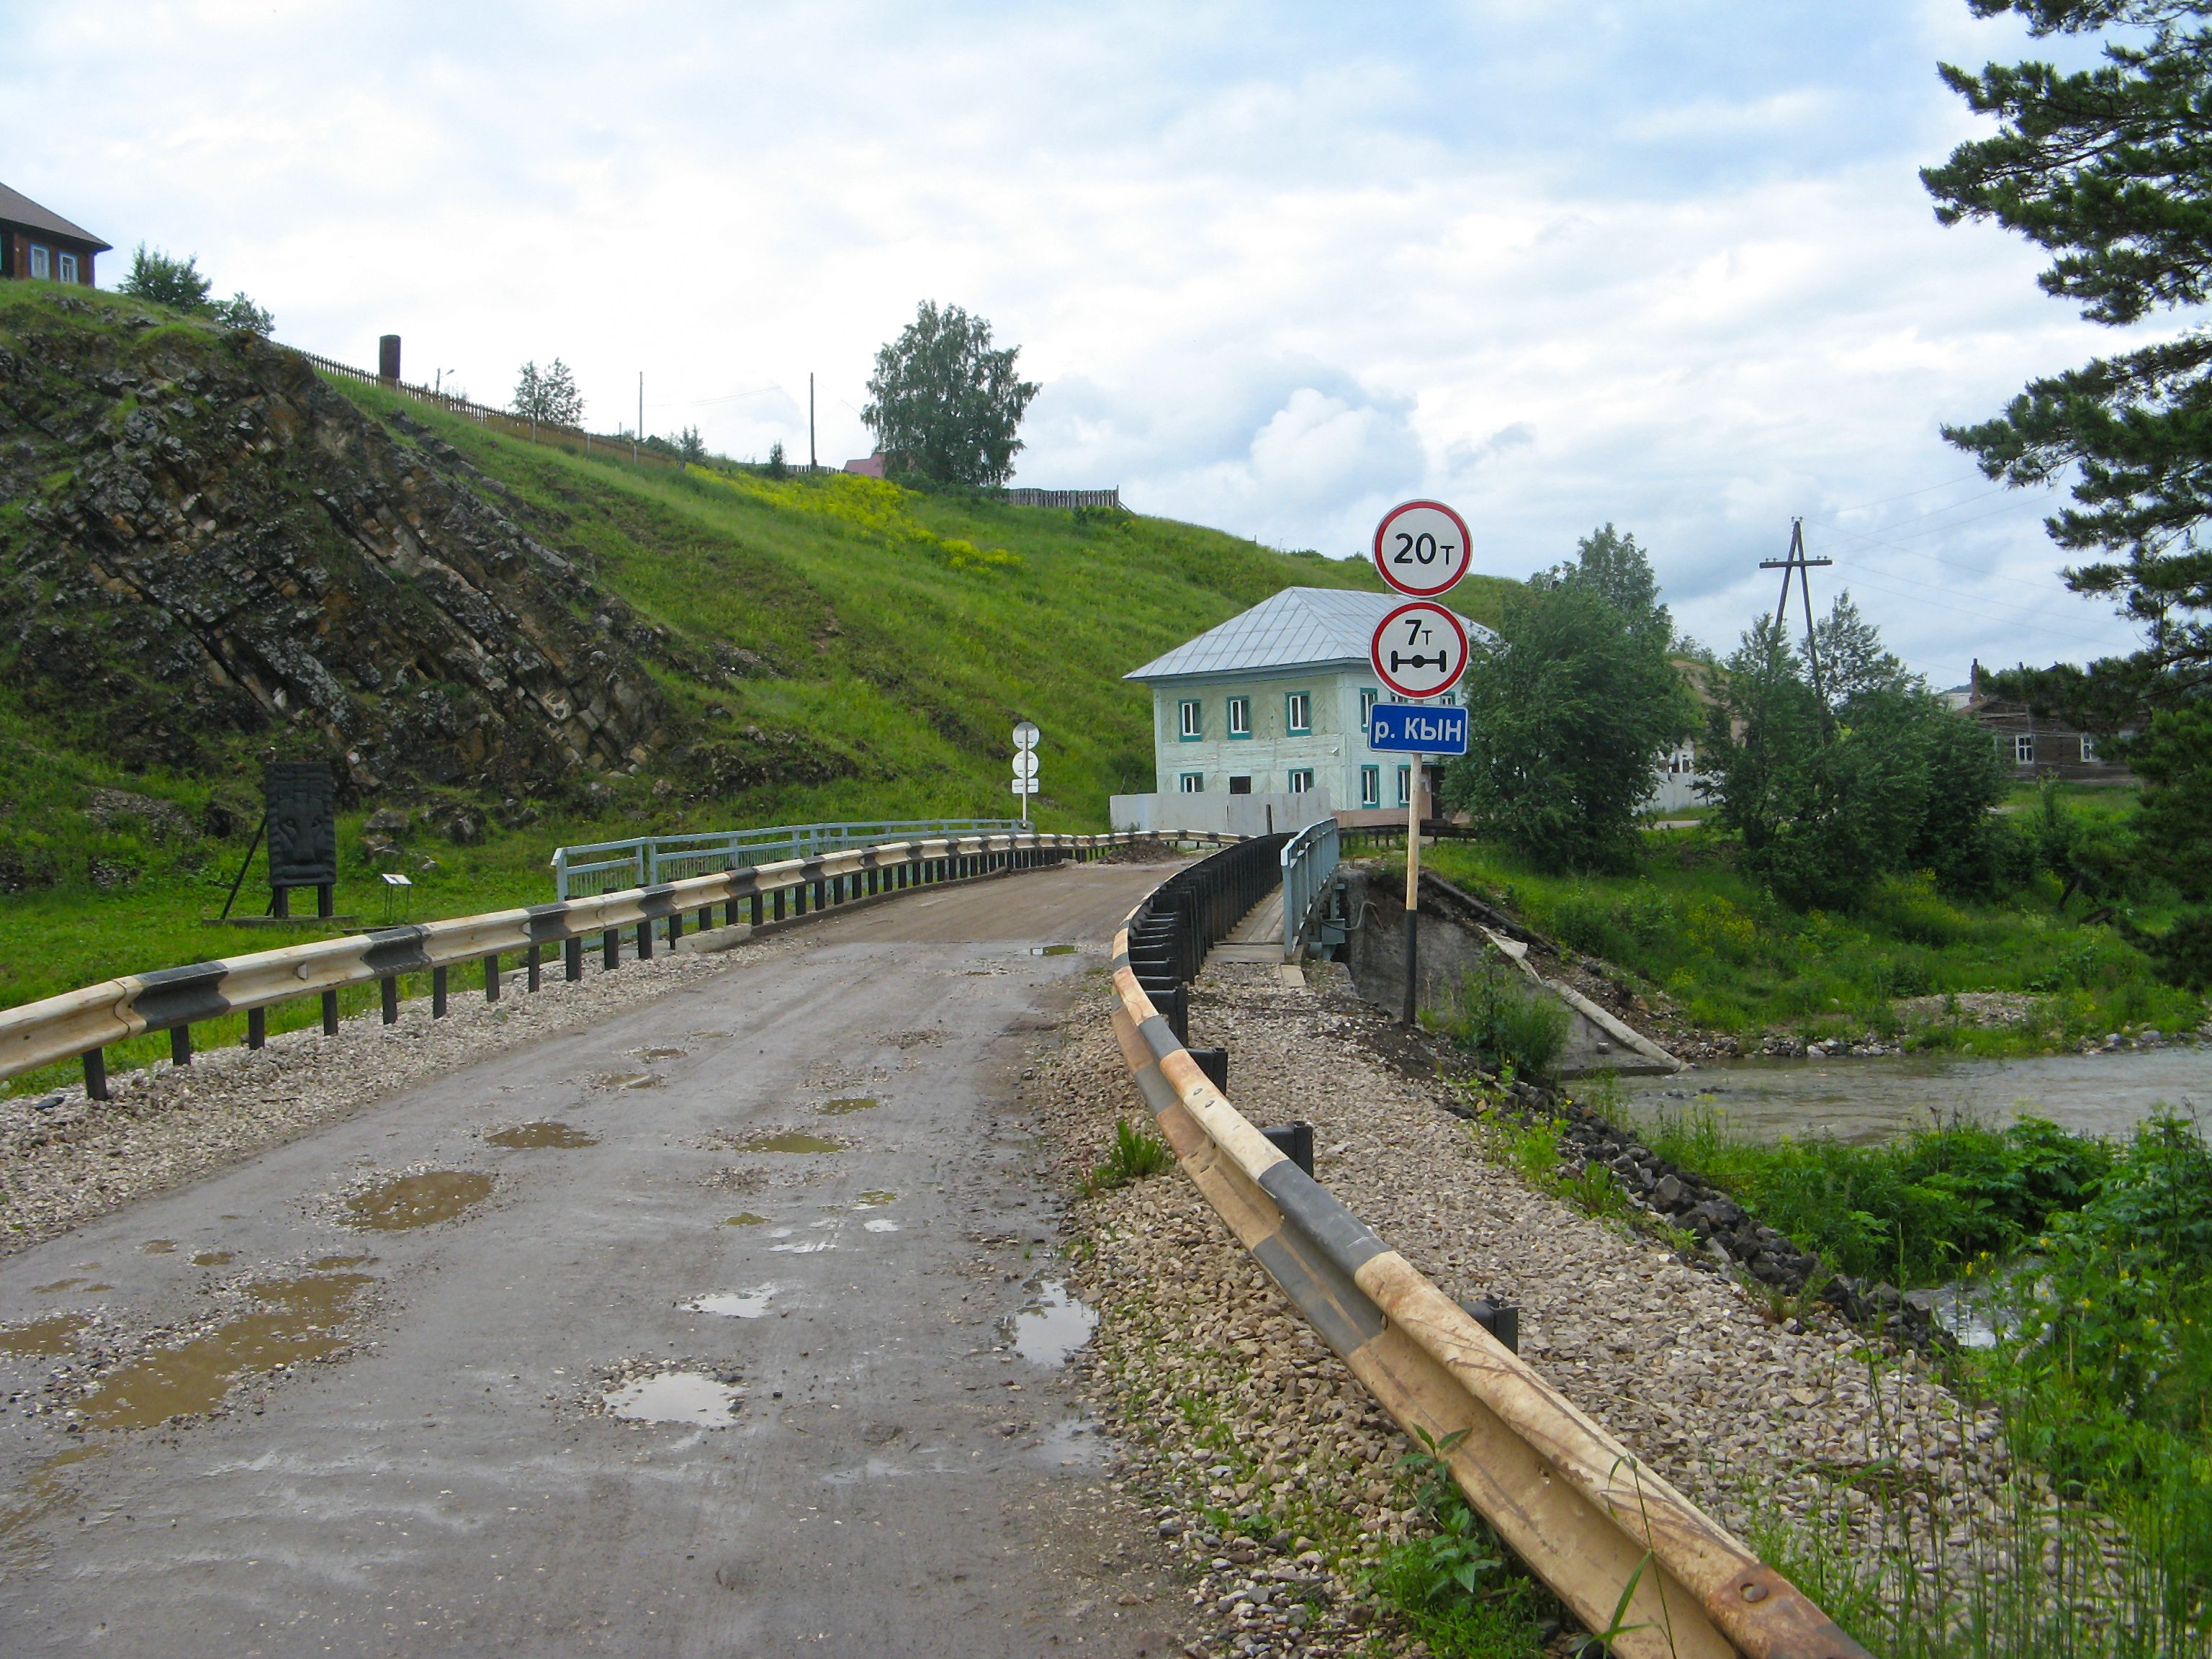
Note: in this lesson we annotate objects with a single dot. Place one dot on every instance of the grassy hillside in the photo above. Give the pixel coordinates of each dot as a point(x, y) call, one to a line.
point(823, 647)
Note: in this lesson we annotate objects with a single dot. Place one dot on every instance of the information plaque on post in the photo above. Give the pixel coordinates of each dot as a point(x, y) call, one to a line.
point(300, 800)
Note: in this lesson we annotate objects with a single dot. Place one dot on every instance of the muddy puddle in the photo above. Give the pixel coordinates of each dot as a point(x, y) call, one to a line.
point(297, 1324)
point(746, 1219)
point(662, 1054)
point(416, 1200)
point(157, 1246)
point(1052, 949)
point(874, 1200)
point(42, 1337)
point(1053, 1326)
point(531, 1137)
point(629, 1080)
point(688, 1397)
point(213, 1258)
point(734, 1304)
point(791, 1140)
point(840, 1108)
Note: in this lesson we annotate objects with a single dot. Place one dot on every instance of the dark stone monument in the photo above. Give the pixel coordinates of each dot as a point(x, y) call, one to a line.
point(300, 799)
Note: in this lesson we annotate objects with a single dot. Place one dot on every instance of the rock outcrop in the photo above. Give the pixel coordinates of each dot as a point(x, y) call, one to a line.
point(204, 547)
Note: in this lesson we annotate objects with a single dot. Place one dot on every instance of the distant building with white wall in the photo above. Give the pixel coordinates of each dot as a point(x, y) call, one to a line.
point(1274, 701)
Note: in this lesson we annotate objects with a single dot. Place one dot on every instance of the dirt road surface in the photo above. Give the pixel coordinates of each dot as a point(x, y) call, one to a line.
point(359, 1394)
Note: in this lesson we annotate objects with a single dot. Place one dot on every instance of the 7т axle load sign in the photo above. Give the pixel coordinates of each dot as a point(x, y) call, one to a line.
point(1418, 651)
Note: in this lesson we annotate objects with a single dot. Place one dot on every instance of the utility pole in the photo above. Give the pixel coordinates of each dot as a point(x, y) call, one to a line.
point(814, 464)
point(1798, 562)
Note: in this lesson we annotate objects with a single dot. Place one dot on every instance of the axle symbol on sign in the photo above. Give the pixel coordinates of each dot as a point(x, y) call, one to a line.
point(1437, 661)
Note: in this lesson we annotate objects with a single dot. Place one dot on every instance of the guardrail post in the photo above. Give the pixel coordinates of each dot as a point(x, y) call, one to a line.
point(257, 1028)
point(96, 1074)
point(438, 992)
point(645, 941)
point(535, 960)
point(180, 1045)
point(675, 928)
point(611, 948)
point(491, 977)
point(572, 958)
point(757, 907)
point(388, 988)
point(330, 1014)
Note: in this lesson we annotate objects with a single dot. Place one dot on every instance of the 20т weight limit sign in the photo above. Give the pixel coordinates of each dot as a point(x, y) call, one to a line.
point(1418, 651)
point(1421, 548)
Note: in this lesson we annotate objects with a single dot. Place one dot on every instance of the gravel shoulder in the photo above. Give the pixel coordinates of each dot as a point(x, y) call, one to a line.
point(1268, 1468)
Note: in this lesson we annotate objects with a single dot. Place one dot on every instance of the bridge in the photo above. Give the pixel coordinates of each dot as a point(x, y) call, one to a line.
point(687, 1324)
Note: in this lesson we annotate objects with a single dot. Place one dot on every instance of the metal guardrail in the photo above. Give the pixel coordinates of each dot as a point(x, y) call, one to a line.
point(1309, 863)
point(84, 1022)
point(1572, 1502)
point(643, 860)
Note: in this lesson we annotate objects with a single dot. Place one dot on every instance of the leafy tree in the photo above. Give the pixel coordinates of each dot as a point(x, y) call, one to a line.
point(166, 281)
point(1570, 709)
point(777, 466)
point(548, 395)
point(688, 446)
point(1890, 779)
point(2111, 169)
point(943, 405)
point(178, 284)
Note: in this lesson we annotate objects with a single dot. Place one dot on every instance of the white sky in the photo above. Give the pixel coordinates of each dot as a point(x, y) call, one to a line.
point(1667, 264)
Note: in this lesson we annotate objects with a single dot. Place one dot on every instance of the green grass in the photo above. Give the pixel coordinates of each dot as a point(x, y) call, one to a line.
point(1735, 960)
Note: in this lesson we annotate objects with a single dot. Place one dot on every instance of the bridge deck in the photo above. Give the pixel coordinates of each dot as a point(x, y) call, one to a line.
point(894, 1482)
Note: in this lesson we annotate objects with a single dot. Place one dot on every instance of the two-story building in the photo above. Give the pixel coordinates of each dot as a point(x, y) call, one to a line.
point(1274, 701)
point(41, 245)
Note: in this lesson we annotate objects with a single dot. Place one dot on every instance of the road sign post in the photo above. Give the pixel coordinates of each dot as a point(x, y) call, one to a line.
point(1418, 651)
point(1025, 764)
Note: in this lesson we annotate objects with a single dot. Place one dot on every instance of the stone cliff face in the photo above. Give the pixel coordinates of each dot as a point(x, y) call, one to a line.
point(203, 546)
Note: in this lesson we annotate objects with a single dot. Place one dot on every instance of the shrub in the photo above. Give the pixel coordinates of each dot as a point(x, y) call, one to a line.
point(1498, 1015)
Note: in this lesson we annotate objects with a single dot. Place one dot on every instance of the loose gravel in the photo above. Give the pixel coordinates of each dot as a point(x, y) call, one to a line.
point(1270, 1470)
point(77, 1158)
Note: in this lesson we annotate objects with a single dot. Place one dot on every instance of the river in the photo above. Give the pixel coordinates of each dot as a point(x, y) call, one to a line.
point(1870, 1100)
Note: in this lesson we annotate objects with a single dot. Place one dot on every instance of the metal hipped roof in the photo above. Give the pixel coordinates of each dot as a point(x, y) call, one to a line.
point(1299, 627)
point(17, 208)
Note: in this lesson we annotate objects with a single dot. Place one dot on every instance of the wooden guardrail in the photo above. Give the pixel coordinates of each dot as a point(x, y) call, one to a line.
point(84, 1022)
point(1585, 1512)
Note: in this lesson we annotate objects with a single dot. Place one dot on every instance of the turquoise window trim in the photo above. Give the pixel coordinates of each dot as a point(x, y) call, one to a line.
point(1371, 786)
point(1369, 696)
point(1228, 718)
point(1291, 725)
point(1298, 773)
point(1191, 783)
point(1190, 712)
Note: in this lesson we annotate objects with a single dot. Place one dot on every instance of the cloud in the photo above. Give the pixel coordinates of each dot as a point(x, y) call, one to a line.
point(1275, 268)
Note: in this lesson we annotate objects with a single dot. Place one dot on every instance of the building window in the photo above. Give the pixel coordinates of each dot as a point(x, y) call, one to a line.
point(1194, 783)
point(1371, 786)
point(38, 268)
point(2023, 748)
point(1190, 724)
point(2088, 751)
point(1240, 717)
point(1297, 713)
point(1369, 696)
point(1301, 781)
point(1240, 786)
point(1405, 785)
point(67, 271)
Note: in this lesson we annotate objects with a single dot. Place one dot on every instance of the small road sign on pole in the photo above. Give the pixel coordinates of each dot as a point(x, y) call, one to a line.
point(1025, 764)
point(1418, 651)
point(1421, 548)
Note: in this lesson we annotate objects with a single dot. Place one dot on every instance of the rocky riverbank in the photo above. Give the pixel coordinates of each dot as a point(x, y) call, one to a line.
point(1267, 1467)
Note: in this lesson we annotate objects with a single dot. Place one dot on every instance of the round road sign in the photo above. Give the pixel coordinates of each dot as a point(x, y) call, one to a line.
point(1026, 735)
point(1421, 548)
point(1420, 650)
point(1025, 764)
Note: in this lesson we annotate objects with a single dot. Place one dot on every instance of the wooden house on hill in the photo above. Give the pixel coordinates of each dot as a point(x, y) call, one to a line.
point(2035, 747)
point(40, 246)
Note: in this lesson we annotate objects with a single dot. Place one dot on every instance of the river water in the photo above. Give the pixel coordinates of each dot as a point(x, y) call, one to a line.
point(1870, 1100)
